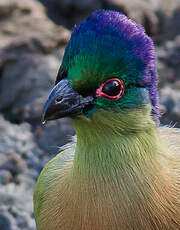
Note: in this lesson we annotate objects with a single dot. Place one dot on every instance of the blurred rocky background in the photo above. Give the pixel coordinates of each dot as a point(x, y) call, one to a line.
point(33, 35)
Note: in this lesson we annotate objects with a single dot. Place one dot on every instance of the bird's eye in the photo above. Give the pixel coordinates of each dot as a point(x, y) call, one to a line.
point(58, 99)
point(111, 89)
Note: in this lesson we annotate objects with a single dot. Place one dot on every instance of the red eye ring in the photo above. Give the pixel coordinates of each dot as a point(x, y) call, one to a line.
point(100, 93)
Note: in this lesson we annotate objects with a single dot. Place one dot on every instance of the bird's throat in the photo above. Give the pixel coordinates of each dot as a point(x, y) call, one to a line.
point(108, 144)
point(118, 166)
point(117, 179)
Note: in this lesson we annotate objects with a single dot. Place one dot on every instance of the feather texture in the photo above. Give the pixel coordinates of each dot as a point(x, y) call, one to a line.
point(121, 177)
point(124, 172)
point(108, 44)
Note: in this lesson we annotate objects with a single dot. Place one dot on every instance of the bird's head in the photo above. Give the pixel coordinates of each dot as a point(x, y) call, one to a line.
point(109, 65)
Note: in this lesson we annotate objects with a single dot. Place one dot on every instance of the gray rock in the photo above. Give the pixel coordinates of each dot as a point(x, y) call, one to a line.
point(170, 28)
point(170, 99)
point(7, 222)
point(31, 78)
point(17, 145)
point(23, 220)
point(169, 72)
point(53, 135)
point(25, 20)
point(13, 163)
point(31, 51)
point(83, 5)
point(169, 81)
point(160, 17)
point(70, 12)
point(6, 198)
point(17, 200)
point(28, 62)
point(169, 62)
point(5, 176)
point(142, 11)
point(20, 157)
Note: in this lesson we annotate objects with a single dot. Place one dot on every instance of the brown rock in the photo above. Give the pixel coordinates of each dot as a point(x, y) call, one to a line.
point(155, 16)
point(28, 62)
point(13, 163)
point(169, 62)
point(24, 19)
point(170, 99)
point(5, 176)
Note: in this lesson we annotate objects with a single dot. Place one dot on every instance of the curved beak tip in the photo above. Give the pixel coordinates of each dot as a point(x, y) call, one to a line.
point(71, 103)
point(43, 121)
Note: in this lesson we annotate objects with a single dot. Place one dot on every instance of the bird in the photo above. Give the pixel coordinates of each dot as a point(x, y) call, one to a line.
point(122, 172)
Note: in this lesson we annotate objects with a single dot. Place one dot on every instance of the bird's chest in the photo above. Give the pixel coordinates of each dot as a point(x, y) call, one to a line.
point(121, 201)
point(92, 205)
point(83, 207)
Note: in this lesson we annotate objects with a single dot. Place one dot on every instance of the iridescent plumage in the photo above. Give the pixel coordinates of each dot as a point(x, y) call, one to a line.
point(109, 44)
point(123, 172)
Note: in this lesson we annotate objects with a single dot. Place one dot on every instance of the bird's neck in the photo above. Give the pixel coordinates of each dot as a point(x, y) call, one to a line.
point(110, 144)
point(119, 171)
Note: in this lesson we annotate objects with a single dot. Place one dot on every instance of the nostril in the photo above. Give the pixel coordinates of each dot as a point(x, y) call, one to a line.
point(58, 99)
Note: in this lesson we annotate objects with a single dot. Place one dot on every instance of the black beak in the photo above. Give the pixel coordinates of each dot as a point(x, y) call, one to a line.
point(63, 101)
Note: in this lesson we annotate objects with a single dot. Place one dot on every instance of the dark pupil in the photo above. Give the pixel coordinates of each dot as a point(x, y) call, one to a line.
point(111, 88)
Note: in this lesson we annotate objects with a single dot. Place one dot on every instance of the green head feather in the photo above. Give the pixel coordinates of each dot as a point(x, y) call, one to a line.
point(109, 45)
